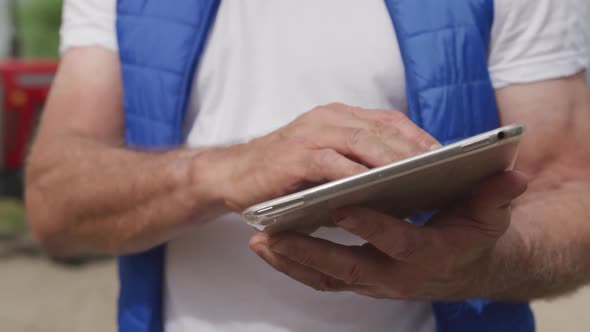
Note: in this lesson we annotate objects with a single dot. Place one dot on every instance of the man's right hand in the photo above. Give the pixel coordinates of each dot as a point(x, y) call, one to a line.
point(87, 192)
point(328, 143)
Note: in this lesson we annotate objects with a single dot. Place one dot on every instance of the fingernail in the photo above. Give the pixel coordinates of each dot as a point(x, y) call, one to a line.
point(259, 239)
point(263, 253)
point(436, 146)
point(521, 175)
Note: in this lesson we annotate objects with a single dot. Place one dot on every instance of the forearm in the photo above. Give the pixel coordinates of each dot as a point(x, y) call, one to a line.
point(547, 249)
point(86, 196)
point(546, 252)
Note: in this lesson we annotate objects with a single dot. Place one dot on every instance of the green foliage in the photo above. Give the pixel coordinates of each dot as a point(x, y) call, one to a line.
point(12, 217)
point(38, 23)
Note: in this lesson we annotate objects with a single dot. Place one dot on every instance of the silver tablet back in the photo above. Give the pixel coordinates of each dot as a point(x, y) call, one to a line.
point(423, 183)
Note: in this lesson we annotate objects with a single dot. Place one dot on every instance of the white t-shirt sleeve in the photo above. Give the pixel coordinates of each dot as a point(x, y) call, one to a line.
point(88, 23)
point(532, 40)
point(536, 40)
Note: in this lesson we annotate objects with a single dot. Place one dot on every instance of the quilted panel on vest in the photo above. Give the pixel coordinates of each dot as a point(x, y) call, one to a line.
point(159, 46)
point(448, 85)
point(159, 55)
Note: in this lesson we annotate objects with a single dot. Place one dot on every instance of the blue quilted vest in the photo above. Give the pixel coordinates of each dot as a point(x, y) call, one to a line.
point(444, 46)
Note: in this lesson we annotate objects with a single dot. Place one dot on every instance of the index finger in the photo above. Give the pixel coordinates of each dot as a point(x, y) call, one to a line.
point(392, 119)
point(401, 122)
point(396, 238)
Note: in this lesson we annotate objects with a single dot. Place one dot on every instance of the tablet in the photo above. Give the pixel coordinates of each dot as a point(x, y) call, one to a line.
point(426, 182)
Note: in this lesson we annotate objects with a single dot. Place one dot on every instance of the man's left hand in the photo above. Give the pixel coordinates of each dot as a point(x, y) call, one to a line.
point(449, 259)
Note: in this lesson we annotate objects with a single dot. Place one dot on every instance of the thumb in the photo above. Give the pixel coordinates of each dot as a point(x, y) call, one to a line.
point(490, 206)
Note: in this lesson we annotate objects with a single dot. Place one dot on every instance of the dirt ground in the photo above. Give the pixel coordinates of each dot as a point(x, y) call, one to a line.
point(40, 296)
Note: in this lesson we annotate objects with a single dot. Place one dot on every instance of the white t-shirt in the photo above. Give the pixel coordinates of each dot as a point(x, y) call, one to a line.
point(262, 68)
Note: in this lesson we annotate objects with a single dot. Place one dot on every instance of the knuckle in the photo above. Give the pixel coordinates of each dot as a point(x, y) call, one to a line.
point(405, 248)
point(325, 283)
point(335, 106)
point(296, 136)
point(298, 142)
point(318, 109)
point(319, 286)
point(308, 116)
point(324, 158)
point(376, 127)
point(372, 230)
point(354, 274)
point(288, 162)
point(303, 118)
point(387, 132)
point(381, 128)
point(303, 256)
point(322, 109)
point(296, 127)
point(355, 137)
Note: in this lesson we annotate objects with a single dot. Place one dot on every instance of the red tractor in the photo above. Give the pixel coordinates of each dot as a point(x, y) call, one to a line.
point(24, 86)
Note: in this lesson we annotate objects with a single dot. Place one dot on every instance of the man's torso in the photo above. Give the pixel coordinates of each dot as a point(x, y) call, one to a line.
point(269, 61)
point(266, 63)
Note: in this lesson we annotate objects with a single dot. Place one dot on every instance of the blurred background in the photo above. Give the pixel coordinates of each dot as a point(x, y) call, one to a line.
point(40, 293)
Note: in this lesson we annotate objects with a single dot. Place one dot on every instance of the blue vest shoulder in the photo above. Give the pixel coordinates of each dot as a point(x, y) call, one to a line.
point(159, 47)
point(444, 47)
